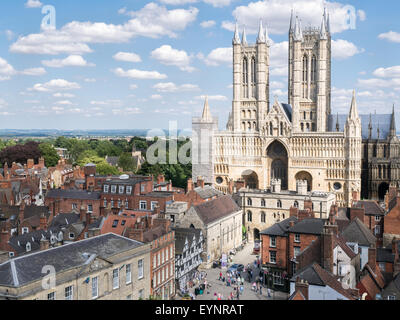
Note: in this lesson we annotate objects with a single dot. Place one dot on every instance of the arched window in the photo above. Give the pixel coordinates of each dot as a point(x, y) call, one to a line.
point(302, 126)
point(253, 71)
point(279, 204)
point(283, 216)
point(270, 129)
point(263, 217)
point(304, 115)
point(262, 202)
point(305, 68)
point(249, 216)
point(249, 202)
point(296, 204)
point(313, 69)
point(281, 127)
point(245, 71)
point(274, 215)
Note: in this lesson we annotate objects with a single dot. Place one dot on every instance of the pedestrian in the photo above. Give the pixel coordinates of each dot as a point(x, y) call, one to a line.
point(241, 289)
point(260, 288)
point(220, 276)
point(237, 293)
point(269, 292)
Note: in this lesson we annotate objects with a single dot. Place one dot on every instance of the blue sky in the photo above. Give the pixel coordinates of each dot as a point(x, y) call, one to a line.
point(137, 64)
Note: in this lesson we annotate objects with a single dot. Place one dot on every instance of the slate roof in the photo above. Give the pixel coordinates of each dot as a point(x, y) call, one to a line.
point(207, 192)
point(308, 226)
point(314, 274)
point(73, 194)
point(26, 269)
point(288, 110)
point(280, 228)
point(384, 255)
point(357, 232)
point(383, 120)
point(216, 209)
point(372, 208)
point(64, 219)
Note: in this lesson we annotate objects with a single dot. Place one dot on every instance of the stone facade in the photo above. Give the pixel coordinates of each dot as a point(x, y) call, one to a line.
point(264, 208)
point(301, 140)
point(111, 275)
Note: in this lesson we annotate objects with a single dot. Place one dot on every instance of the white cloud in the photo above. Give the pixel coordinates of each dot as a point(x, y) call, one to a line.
point(343, 49)
point(55, 85)
point(139, 74)
point(34, 72)
point(208, 24)
point(6, 70)
point(212, 98)
point(390, 36)
point(33, 4)
point(276, 15)
point(64, 103)
point(127, 56)
point(391, 72)
point(173, 57)
point(217, 57)
point(126, 111)
point(277, 85)
point(133, 86)
point(9, 34)
point(362, 15)
point(70, 61)
point(218, 3)
point(89, 80)
point(172, 87)
point(156, 97)
point(63, 95)
point(152, 21)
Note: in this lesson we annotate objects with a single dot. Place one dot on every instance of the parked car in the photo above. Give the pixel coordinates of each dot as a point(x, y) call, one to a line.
point(236, 267)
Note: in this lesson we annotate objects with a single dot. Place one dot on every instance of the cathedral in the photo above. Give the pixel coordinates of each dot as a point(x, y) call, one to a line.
point(354, 156)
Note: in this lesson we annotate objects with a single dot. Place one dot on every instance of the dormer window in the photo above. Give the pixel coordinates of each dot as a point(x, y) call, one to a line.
point(121, 189)
point(106, 188)
point(115, 223)
point(71, 235)
point(28, 247)
point(129, 190)
point(113, 189)
point(25, 230)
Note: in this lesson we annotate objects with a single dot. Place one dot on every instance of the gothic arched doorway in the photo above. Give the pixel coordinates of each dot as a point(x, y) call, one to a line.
point(278, 159)
point(304, 175)
point(256, 234)
point(250, 179)
point(382, 190)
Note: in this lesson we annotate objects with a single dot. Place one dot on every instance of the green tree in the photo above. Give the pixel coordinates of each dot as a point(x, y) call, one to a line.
point(49, 154)
point(126, 162)
point(102, 167)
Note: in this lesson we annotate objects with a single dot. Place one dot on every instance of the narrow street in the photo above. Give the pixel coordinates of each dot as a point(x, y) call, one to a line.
point(244, 257)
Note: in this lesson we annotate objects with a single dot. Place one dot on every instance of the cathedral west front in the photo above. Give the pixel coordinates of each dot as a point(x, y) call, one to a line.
point(266, 141)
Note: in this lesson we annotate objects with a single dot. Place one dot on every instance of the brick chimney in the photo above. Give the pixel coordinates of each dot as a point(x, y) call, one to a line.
point(355, 196)
point(43, 222)
point(21, 215)
point(327, 247)
point(200, 182)
point(5, 236)
point(44, 244)
point(305, 214)
point(189, 185)
point(136, 234)
point(160, 179)
point(308, 204)
point(357, 213)
point(291, 224)
point(82, 213)
point(333, 214)
point(239, 184)
point(395, 248)
point(302, 286)
point(294, 212)
point(372, 257)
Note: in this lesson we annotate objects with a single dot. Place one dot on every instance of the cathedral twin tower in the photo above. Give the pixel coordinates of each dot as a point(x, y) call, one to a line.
point(268, 142)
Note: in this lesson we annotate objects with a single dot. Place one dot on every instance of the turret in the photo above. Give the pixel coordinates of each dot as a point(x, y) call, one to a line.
point(298, 33)
point(236, 38)
point(392, 132)
point(261, 36)
point(291, 27)
point(206, 117)
point(244, 38)
point(370, 127)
